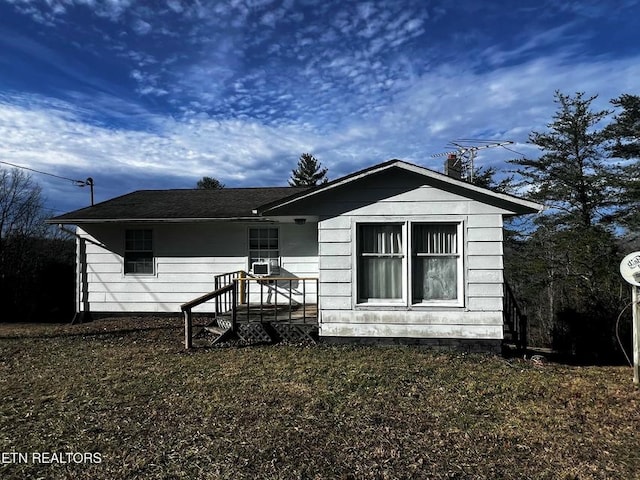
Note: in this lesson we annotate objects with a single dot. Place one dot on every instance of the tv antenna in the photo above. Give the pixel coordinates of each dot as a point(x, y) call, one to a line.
point(461, 160)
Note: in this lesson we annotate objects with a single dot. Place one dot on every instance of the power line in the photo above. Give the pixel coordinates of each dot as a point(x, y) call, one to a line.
point(82, 182)
point(79, 183)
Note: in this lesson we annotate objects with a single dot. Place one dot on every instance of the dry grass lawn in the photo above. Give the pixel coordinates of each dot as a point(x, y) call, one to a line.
point(125, 389)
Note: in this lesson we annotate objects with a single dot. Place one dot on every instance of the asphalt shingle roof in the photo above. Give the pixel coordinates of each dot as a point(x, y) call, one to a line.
point(180, 204)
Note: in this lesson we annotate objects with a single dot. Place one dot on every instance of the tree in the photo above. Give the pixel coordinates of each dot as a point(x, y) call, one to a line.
point(20, 205)
point(36, 269)
point(572, 176)
point(624, 130)
point(209, 183)
point(566, 269)
point(624, 134)
point(309, 172)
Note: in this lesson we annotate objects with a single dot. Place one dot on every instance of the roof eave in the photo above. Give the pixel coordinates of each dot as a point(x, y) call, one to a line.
point(86, 221)
point(523, 206)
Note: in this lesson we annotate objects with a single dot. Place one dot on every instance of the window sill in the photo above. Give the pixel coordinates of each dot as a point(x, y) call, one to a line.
point(432, 305)
point(405, 307)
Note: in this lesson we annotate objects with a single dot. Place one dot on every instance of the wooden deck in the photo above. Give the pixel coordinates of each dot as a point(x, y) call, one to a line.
point(297, 314)
point(253, 309)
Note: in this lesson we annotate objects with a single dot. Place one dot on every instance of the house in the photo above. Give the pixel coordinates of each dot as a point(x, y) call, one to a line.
point(394, 252)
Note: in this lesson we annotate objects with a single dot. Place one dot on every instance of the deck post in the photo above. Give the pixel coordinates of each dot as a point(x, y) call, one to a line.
point(241, 292)
point(188, 328)
point(234, 308)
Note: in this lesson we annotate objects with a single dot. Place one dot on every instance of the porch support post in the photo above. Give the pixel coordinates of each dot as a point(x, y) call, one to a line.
point(188, 329)
point(234, 308)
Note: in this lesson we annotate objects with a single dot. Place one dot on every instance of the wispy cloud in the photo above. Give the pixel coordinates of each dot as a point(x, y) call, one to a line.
point(238, 90)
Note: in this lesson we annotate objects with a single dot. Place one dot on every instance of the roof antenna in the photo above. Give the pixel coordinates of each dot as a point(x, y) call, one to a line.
point(459, 163)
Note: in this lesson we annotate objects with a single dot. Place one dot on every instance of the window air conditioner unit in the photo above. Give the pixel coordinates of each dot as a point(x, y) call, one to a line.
point(261, 269)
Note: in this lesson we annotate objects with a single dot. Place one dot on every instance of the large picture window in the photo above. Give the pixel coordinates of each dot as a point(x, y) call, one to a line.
point(419, 260)
point(138, 252)
point(264, 246)
point(380, 259)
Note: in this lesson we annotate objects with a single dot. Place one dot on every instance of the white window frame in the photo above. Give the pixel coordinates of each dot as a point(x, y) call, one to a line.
point(406, 302)
point(275, 269)
point(151, 251)
point(381, 301)
point(459, 300)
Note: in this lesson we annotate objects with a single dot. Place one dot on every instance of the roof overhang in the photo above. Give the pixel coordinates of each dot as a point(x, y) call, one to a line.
point(517, 204)
point(88, 221)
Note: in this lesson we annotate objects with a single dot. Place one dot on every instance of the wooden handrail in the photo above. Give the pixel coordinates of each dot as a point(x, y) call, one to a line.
point(188, 316)
point(276, 279)
point(205, 298)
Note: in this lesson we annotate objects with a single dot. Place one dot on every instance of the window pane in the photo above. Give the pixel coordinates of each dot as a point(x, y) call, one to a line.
point(435, 239)
point(382, 239)
point(138, 240)
point(380, 261)
point(435, 278)
point(380, 277)
point(138, 262)
point(263, 246)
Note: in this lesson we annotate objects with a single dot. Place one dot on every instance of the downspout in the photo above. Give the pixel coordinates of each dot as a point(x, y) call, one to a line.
point(83, 308)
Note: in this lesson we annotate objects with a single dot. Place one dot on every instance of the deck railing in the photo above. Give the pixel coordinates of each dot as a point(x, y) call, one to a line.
point(187, 309)
point(223, 302)
point(274, 297)
point(262, 299)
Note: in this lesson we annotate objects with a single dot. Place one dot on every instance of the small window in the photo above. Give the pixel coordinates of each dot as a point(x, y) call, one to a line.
point(138, 252)
point(436, 262)
point(264, 247)
point(380, 257)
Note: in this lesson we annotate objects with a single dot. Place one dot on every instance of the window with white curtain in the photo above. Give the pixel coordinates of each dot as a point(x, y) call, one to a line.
point(380, 259)
point(435, 258)
point(427, 263)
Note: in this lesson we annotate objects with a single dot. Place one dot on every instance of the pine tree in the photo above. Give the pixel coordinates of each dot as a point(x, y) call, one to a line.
point(567, 267)
point(624, 135)
point(573, 175)
point(309, 172)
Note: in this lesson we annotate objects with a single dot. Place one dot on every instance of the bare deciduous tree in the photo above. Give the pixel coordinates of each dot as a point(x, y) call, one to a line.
point(20, 205)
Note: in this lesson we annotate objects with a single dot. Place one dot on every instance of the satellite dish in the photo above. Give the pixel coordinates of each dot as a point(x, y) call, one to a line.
point(630, 268)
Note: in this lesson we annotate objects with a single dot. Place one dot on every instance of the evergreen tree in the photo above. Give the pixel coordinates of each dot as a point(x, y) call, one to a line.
point(573, 175)
point(566, 270)
point(624, 135)
point(624, 130)
point(309, 172)
point(209, 183)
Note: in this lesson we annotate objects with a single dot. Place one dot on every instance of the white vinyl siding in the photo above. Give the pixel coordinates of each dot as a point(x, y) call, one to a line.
point(187, 257)
point(476, 312)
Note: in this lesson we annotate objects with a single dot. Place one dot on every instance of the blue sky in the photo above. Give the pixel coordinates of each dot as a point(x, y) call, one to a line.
point(145, 95)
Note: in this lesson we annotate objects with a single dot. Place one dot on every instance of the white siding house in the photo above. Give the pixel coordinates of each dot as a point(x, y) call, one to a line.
point(400, 252)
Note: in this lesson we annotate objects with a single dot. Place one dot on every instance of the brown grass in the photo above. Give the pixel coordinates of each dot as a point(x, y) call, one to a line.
point(127, 390)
